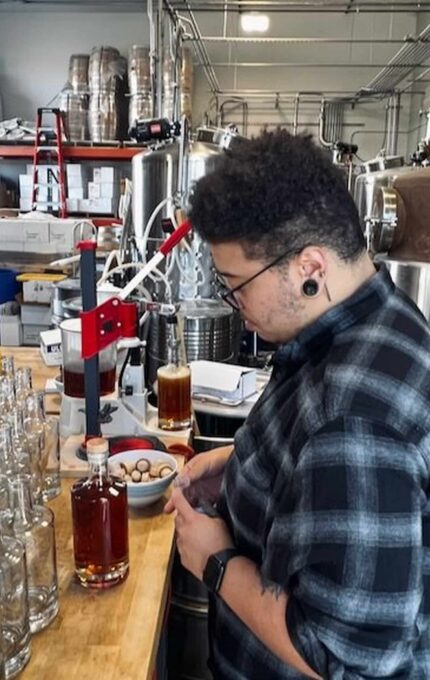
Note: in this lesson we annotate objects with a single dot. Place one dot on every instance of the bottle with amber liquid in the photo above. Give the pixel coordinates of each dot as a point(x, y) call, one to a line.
point(100, 522)
point(174, 385)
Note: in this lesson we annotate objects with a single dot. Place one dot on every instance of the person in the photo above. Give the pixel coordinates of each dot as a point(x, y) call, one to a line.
point(318, 561)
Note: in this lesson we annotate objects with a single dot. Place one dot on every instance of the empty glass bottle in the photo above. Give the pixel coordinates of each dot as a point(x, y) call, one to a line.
point(7, 460)
point(22, 383)
point(15, 629)
point(37, 422)
point(100, 522)
point(27, 451)
point(34, 526)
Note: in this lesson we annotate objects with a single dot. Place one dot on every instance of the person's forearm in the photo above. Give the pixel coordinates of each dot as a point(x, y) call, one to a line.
point(262, 611)
point(223, 452)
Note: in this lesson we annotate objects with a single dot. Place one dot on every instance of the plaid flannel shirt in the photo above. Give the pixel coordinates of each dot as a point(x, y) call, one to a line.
point(328, 493)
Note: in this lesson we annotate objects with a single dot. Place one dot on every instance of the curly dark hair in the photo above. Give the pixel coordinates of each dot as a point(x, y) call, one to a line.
point(277, 192)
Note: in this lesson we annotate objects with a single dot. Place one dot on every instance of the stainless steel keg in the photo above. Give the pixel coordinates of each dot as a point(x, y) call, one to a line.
point(210, 332)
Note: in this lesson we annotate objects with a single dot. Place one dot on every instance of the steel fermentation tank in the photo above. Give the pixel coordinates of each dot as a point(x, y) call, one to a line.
point(210, 328)
point(392, 208)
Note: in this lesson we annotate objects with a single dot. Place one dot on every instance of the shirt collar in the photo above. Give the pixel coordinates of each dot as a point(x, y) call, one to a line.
point(367, 299)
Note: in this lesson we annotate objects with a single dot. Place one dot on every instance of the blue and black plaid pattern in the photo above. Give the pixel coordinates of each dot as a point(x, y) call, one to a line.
point(328, 493)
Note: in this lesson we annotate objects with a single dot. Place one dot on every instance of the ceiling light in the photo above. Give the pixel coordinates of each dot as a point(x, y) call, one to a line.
point(254, 22)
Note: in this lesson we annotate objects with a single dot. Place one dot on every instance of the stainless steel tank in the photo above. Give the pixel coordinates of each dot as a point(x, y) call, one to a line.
point(413, 278)
point(210, 332)
point(380, 172)
point(155, 178)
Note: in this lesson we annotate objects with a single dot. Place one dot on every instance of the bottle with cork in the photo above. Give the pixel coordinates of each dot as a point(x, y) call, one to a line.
point(174, 383)
point(100, 522)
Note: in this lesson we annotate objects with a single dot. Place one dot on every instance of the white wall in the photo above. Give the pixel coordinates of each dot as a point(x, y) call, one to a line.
point(35, 46)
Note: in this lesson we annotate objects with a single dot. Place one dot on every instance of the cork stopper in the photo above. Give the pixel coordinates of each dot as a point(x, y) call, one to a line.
point(97, 447)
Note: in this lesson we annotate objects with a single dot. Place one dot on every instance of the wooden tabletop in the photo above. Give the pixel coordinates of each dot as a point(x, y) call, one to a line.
point(112, 634)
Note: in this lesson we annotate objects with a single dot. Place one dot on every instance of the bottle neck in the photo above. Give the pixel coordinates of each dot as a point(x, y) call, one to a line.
point(16, 420)
point(22, 502)
point(98, 465)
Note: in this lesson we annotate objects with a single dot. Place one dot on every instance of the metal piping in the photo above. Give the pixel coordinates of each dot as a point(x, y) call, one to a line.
point(209, 71)
point(152, 55)
point(411, 53)
point(308, 6)
point(393, 124)
point(306, 41)
point(292, 64)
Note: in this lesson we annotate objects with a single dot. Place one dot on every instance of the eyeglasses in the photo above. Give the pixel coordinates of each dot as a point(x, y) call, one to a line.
point(229, 294)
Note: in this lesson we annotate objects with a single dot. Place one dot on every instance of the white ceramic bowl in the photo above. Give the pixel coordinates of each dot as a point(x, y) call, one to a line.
point(141, 494)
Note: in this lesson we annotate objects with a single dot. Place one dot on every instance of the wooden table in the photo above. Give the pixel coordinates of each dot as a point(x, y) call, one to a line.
point(112, 634)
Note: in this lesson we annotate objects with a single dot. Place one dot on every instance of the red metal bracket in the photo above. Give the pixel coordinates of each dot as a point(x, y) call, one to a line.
point(106, 323)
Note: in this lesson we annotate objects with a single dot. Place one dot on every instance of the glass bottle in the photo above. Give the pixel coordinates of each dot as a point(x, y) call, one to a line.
point(27, 448)
point(15, 629)
point(8, 465)
point(34, 526)
point(174, 385)
point(22, 383)
point(36, 422)
point(7, 366)
point(100, 522)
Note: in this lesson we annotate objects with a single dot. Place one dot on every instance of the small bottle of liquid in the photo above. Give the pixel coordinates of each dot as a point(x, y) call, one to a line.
point(174, 385)
point(100, 522)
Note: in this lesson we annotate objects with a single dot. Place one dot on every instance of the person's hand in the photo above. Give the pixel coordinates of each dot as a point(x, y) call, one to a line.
point(201, 478)
point(197, 536)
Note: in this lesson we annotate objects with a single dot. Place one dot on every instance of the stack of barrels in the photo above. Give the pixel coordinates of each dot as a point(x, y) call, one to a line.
point(106, 73)
point(139, 82)
point(74, 99)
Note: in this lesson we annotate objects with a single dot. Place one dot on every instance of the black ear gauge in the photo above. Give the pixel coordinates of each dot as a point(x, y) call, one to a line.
point(310, 288)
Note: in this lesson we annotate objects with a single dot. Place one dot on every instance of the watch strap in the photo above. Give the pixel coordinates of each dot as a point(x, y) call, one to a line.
point(215, 568)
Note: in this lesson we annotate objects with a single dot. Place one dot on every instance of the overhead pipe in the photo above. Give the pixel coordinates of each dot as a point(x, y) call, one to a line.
point(311, 40)
point(393, 119)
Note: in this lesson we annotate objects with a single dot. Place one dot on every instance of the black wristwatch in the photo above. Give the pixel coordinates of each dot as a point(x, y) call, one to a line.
point(215, 569)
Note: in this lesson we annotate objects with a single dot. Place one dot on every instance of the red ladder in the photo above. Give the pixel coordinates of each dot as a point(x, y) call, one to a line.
point(44, 151)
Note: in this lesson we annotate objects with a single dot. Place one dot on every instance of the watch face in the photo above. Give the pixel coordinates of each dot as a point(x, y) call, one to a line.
point(213, 573)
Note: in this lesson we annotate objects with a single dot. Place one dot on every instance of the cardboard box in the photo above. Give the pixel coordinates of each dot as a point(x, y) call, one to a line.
point(105, 174)
point(25, 204)
point(225, 383)
point(50, 347)
point(109, 189)
point(11, 230)
point(94, 190)
point(12, 246)
point(72, 205)
point(36, 315)
point(10, 331)
point(75, 192)
point(38, 287)
point(35, 231)
point(84, 205)
point(102, 206)
point(31, 334)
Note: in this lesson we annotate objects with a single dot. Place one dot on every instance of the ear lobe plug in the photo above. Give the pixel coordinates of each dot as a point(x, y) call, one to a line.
point(310, 288)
